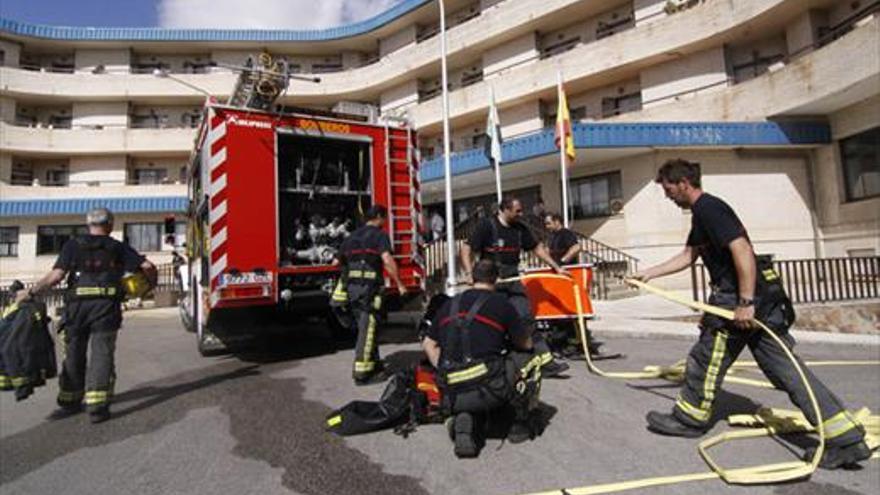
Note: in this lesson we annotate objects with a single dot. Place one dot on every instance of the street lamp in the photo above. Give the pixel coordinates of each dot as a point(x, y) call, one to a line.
point(447, 163)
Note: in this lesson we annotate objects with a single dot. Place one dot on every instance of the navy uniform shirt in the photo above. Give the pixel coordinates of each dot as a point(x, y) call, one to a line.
point(491, 239)
point(491, 331)
point(714, 225)
point(131, 259)
point(560, 242)
point(368, 241)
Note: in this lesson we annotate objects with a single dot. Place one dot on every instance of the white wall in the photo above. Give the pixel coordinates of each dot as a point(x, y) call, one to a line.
point(509, 54)
point(113, 61)
point(397, 40)
point(648, 11)
point(801, 34)
point(91, 114)
point(690, 75)
point(92, 171)
point(405, 95)
point(521, 118)
point(11, 53)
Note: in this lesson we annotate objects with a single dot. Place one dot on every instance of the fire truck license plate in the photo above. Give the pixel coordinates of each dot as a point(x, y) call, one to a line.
point(246, 278)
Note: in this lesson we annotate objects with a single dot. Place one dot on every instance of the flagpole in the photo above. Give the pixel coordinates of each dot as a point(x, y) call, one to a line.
point(497, 161)
point(447, 164)
point(562, 146)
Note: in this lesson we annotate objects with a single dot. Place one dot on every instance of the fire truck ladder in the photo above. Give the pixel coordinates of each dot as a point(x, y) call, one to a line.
point(403, 195)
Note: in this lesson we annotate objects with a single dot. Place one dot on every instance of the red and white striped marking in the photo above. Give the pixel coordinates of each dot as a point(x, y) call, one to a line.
point(216, 143)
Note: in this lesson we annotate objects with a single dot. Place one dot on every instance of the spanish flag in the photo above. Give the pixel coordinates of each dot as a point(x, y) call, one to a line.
point(563, 127)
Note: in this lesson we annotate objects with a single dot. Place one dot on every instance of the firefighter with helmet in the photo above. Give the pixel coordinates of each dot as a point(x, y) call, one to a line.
point(95, 266)
point(363, 255)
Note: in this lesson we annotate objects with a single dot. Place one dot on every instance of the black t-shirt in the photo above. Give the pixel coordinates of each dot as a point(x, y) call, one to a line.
point(714, 226)
point(131, 259)
point(368, 243)
point(492, 238)
point(491, 331)
point(560, 242)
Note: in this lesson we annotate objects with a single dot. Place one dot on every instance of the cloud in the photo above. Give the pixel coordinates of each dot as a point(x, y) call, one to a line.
point(266, 14)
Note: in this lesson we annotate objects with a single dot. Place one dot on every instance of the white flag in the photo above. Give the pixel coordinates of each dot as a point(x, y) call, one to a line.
point(493, 142)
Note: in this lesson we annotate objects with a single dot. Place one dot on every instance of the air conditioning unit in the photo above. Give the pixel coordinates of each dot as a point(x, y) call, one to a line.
point(356, 108)
point(616, 206)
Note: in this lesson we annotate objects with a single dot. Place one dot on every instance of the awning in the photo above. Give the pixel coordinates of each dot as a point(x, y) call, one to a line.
point(79, 206)
point(640, 135)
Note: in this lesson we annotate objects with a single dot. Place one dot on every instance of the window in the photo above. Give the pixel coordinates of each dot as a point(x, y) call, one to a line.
point(150, 175)
point(143, 236)
point(576, 114)
point(50, 238)
point(56, 177)
point(8, 241)
point(860, 155)
point(22, 175)
point(596, 196)
point(617, 105)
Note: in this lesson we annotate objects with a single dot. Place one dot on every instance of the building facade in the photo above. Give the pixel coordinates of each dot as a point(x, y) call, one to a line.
point(779, 100)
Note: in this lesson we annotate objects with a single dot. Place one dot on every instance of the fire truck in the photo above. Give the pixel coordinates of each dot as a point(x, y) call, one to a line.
point(272, 195)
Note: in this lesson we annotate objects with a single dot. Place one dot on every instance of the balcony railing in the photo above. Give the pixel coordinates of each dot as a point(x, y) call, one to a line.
point(814, 280)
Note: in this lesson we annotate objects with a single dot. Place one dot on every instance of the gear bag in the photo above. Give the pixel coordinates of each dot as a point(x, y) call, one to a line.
point(772, 305)
point(410, 398)
point(27, 352)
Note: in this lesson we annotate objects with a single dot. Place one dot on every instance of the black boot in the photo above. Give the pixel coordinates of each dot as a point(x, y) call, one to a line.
point(836, 457)
point(553, 369)
point(99, 415)
point(65, 411)
point(465, 438)
point(668, 424)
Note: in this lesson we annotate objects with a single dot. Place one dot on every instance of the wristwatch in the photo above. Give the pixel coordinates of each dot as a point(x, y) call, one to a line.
point(744, 302)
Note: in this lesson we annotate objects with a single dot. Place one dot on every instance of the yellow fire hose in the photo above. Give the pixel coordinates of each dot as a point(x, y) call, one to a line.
point(771, 421)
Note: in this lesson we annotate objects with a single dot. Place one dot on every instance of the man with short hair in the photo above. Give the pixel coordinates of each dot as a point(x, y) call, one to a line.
point(501, 238)
point(719, 238)
point(363, 255)
point(94, 265)
point(483, 354)
point(562, 241)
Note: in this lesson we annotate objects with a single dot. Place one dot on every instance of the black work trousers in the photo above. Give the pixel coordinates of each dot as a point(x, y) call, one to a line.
point(517, 385)
point(719, 346)
point(516, 295)
point(88, 334)
point(365, 304)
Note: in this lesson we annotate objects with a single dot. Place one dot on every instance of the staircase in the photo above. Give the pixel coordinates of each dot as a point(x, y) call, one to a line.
point(610, 265)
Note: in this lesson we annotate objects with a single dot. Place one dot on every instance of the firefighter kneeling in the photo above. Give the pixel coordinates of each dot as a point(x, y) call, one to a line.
point(485, 361)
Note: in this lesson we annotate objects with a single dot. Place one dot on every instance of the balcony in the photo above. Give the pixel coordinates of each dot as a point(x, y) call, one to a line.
point(82, 191)
point(588, 65)
point(23, 140)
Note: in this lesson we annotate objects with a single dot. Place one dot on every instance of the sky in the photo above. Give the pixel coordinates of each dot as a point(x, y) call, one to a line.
point(267, 14)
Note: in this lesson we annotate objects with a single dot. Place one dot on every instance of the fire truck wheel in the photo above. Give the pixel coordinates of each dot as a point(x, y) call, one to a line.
point(210, 345)
point(185, 318)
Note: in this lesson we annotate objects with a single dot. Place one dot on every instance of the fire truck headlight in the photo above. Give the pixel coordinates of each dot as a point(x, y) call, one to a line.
point(286, 295)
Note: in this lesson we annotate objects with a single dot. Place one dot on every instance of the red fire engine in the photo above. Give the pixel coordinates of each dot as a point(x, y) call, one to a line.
point(273, 194)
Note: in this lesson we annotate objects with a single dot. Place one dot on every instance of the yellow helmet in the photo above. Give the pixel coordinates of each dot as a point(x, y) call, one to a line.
point(135, 285)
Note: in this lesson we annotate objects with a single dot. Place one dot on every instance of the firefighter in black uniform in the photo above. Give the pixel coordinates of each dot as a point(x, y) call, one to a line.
point(363, 255)
point(562, 242)
point(752, 291)
point(501, 238)
point(94, 265)
point(485, 361)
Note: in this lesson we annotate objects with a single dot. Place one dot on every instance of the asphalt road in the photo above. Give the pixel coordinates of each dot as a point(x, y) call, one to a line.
point(252, 423)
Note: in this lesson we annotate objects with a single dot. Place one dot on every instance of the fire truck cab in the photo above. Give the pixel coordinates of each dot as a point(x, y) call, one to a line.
point(271, 198)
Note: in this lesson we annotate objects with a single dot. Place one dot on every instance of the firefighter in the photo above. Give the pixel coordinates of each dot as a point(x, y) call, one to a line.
point(565, 249)
point(502, 238)
point(719, 238)
point(363, 255)
point(94, 265)
point(484, 355)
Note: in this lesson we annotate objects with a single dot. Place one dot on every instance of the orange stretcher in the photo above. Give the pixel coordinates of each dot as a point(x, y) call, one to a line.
point(553, 298)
